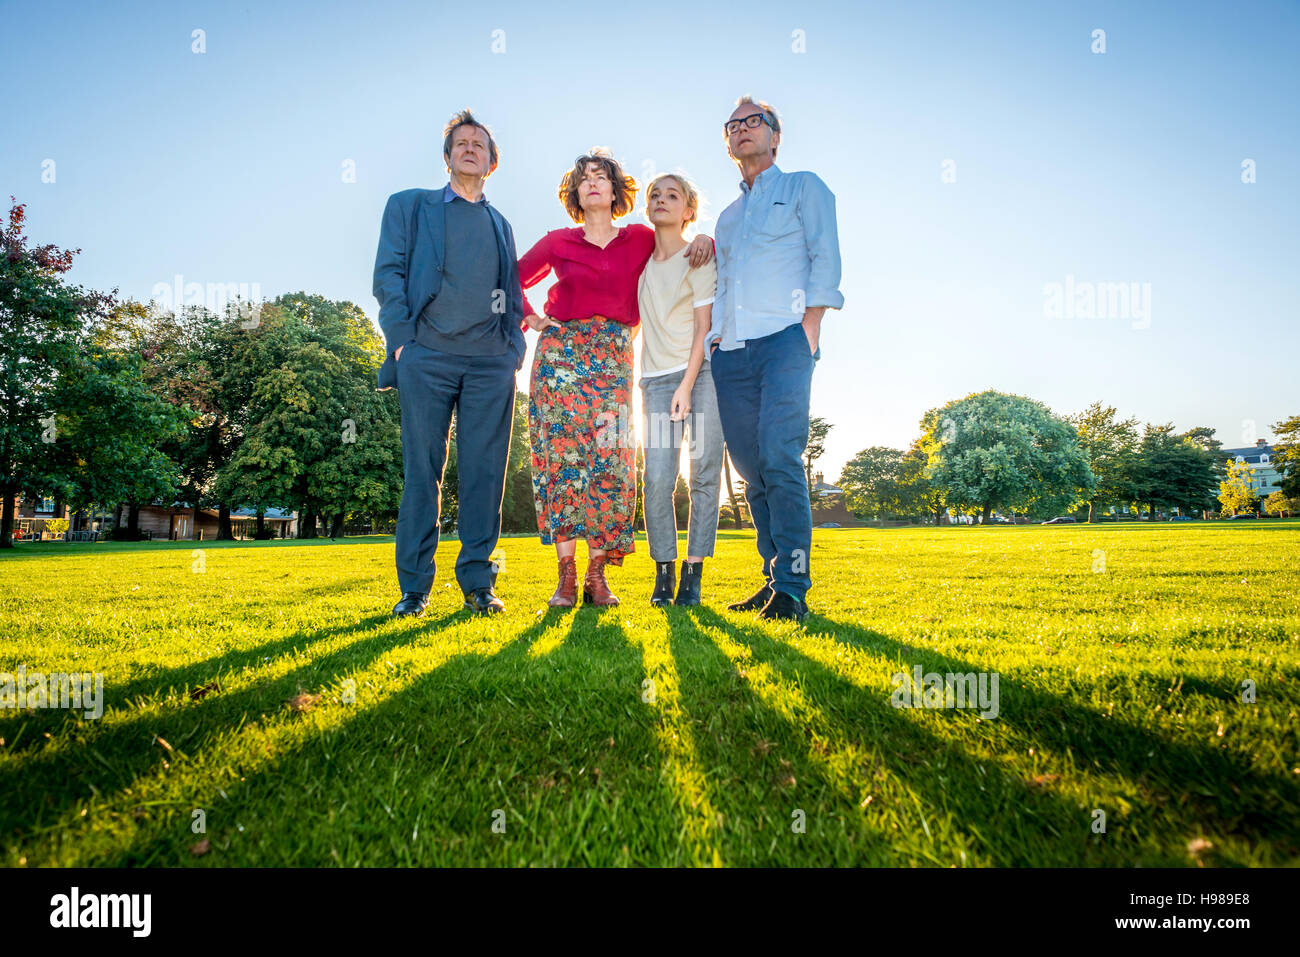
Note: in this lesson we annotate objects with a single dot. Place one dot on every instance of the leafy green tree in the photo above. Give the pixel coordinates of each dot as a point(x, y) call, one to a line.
point(518, 510)
point(921, 496)
point(111, 429)
point(1109, 444)
point(314, 433)
point(42, 325)
point(932, 497)
point(1202, 437)
point(1170, 471)
point(992, 450)
point(184, 352)
point(818, 429)
point(1286, 455)
point(874, 485)
point(188, 352)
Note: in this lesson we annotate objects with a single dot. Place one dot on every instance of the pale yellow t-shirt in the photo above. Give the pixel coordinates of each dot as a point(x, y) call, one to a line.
point(667, 295)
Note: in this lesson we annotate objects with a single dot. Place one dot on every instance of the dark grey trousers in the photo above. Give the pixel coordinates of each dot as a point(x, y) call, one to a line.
point(481, 390)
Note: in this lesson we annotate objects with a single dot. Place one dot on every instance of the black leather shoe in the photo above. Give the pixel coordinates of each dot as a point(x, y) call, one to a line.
point(688, 592)
point(784, 606)
point(412, 603)
point(664, 574)
point(483, 602)
point(755, 601)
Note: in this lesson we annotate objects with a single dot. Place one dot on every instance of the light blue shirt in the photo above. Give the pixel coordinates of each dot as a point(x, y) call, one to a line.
point(778, 254)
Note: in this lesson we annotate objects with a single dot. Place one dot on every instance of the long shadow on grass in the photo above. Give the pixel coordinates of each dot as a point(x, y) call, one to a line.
point(194, 674)
point(559, 743)
point(759, 773)
point(1244, 800)
point(1000, 816)
point(191, 677)
point(43, 781)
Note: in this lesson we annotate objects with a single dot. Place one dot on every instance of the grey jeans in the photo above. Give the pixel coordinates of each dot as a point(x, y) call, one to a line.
point(662, 446)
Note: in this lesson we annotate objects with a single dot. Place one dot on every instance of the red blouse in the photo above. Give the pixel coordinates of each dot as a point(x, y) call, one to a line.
point(590, 281)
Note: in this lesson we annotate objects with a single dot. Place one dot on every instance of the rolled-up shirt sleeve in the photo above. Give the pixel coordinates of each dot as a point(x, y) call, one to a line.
point(719, 300)
point(816, 211)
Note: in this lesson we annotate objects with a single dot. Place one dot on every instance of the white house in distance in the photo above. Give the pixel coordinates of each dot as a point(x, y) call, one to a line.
point(1259, 456)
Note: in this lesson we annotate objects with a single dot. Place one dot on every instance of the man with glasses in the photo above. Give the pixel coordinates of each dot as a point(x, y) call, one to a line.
point(778, 272)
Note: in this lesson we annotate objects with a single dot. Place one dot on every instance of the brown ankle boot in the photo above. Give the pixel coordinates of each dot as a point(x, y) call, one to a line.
point(566, 592)
point(595, 591)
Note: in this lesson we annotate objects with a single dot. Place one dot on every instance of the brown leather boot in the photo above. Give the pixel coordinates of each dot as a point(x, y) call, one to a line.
point(595, 591)
point(566, 592)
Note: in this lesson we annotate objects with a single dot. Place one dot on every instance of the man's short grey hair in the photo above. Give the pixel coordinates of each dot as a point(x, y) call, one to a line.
point(466, 118)
point(773, 117)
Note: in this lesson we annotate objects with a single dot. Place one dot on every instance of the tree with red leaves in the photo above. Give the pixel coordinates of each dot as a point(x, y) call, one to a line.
point(40, 321)
point(77, 420)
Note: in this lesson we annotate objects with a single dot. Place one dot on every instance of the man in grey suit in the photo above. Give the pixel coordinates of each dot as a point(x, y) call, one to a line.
point(451, 307)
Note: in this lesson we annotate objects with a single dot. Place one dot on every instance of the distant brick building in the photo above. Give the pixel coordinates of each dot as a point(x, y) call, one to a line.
point(828, 504)
point(167, 522)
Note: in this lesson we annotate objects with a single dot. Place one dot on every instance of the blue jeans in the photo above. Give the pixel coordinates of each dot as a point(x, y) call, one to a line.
point(763, 394)
point(661, 443)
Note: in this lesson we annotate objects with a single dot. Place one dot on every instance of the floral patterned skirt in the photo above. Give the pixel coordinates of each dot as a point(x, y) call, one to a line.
point(583, 447)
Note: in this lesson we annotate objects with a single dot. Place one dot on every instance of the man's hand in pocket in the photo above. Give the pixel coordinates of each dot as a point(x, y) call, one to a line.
point(812, 326)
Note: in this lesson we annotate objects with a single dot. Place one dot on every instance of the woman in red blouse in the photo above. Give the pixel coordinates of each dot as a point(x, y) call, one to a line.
point(579, 411)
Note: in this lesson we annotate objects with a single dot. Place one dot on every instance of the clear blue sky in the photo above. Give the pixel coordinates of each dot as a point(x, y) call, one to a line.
point(1117, 167)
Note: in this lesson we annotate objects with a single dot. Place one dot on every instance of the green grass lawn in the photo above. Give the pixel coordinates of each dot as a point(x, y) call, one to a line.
point(1121, 653)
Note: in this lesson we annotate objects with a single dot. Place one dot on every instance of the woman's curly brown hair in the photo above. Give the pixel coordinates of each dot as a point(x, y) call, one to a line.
point(624, 186)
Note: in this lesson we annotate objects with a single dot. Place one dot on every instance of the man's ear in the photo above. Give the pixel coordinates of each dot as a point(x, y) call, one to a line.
point(776, 140)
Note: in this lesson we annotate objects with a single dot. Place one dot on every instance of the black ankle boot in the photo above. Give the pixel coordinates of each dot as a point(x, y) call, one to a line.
point(688, 592)
point(665, 572)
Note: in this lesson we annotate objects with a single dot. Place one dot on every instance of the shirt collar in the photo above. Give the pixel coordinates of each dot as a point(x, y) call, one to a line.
point(763, 179)
point(448, 194)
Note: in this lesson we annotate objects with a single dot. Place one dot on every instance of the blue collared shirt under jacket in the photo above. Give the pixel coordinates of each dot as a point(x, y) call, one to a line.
point(449, 194)
point(778, 253)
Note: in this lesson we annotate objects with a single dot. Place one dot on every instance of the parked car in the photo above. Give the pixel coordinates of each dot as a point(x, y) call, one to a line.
point(1234, 518)
point(1060, 520)
point(1181, 518)
point(829, 525)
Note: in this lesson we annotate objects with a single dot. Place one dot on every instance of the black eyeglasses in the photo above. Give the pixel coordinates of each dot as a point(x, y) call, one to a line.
point(751, 121)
